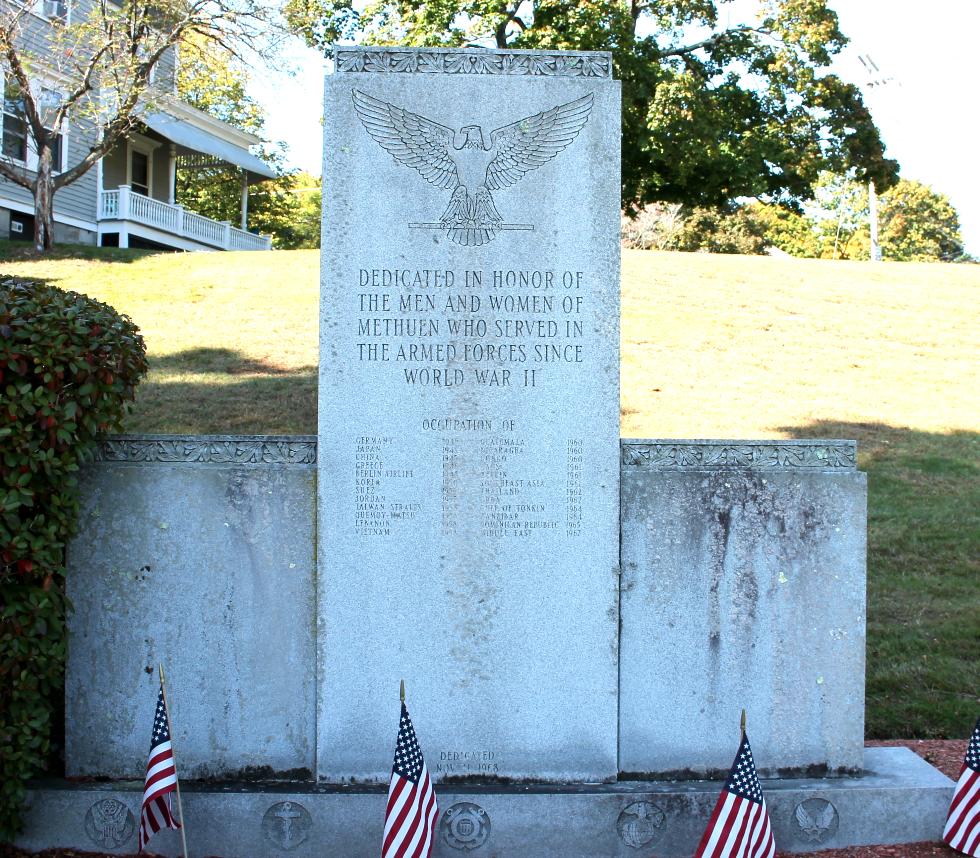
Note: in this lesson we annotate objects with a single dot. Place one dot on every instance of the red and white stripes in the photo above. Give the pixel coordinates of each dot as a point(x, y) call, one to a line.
point(410, 817)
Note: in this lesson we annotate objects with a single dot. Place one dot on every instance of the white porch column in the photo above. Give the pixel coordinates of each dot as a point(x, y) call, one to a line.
point(123, 213)
point(244, 200)
point(172, 179)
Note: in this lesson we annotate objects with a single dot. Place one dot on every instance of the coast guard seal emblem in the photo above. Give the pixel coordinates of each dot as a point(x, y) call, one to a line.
point(465, 826)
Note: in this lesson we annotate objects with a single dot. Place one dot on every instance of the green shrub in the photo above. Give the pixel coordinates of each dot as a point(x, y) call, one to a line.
point(69, 367)
point(722, 230)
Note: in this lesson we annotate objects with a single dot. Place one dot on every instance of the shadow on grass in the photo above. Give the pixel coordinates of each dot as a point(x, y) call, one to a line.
point(23, 251)
point(247, 398)
point(923, 669)
point(219, 360)
point(39, 281)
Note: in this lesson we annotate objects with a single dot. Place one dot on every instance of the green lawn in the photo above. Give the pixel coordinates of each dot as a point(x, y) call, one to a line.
point(712, 347)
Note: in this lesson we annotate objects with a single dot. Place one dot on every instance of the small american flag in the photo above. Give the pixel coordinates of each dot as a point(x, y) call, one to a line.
point(739, 826)
point(410, 817)
point(161, 778)
point(962, 830)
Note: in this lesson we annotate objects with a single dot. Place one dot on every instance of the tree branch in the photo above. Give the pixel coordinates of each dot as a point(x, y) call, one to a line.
point(31, 112)
point(15, 176)
point(84, 86)
point(712, 41)
point(501, 31)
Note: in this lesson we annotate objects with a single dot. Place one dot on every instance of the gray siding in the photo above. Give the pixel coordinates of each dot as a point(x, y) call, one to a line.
point(161, 173)
point(79, 200)
point(114, 168)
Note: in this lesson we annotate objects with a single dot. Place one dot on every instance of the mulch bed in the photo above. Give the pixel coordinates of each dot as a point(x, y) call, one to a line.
point(945, 754)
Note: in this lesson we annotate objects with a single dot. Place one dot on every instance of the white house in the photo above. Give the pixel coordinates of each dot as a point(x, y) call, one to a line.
point(128, 199)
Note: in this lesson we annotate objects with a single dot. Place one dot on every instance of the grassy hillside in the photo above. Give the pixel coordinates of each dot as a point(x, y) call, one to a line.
point(712, 347)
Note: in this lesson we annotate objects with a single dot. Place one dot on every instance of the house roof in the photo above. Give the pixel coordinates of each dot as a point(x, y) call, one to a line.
point(178, 130)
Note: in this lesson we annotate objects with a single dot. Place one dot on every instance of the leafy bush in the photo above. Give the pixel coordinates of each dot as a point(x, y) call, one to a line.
point(69, 367)
point(656, 226)
point(720, 230)
point(919, 225)
point(786, 229)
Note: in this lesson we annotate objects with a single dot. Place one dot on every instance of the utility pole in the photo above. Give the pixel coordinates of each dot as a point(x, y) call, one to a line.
point(873, 206)
point(875, 79)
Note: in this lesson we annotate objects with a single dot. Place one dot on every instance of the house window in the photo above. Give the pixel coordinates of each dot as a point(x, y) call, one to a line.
point(139, 179)
point(55, 10)
point(14, 143)
point(48, 102)
point(57, 151)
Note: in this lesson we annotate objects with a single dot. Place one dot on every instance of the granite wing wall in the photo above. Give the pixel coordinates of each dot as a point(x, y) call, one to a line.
point(198, 553)
point(743, 572)
point(743, 586)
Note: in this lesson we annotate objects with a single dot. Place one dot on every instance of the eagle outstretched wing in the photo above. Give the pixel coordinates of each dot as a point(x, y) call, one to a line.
point(411, 139)
point(826, 817)
point(528, 143)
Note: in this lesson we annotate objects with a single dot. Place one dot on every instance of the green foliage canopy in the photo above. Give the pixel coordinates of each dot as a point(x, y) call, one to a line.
point(212, 80)
point(918, 224)
point(710, 113)
point(69, 367)
point(915, 223)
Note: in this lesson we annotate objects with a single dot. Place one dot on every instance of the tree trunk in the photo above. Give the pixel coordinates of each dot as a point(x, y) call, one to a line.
point(44, 203)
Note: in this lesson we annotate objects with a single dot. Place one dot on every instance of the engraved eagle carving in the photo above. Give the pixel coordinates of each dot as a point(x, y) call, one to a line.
point(110, 819)
point(463, 163)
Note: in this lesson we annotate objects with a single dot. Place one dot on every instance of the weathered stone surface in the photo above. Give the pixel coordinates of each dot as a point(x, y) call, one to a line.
point(207, 566)
point(469, 413)
point(743, 586)
point(901, 799)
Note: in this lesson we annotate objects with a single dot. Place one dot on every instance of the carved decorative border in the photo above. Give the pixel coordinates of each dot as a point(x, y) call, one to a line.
point(209, 449)
point(653, 454)
point(745, 455)
point(477, 61)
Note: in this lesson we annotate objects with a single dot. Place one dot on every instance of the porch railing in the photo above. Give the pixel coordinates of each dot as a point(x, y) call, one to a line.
point(125, 204)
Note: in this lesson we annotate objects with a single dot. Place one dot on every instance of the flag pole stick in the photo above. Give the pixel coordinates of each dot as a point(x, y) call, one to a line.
point(402, 691)
point(743, 725)
point(180, 807)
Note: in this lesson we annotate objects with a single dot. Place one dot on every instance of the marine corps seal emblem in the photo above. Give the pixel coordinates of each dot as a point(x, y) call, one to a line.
point(641, 823)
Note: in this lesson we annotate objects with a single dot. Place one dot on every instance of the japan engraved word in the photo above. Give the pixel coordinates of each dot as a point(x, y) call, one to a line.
point(287, 824)
point(469, 168)
point(640, 824)
point(109, 823)
point(465, 826)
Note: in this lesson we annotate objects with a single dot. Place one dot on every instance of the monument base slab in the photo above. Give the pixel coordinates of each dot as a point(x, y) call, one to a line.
point(899, 799)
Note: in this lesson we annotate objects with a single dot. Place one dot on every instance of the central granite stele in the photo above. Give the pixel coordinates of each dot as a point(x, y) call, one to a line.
point(468, 469)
